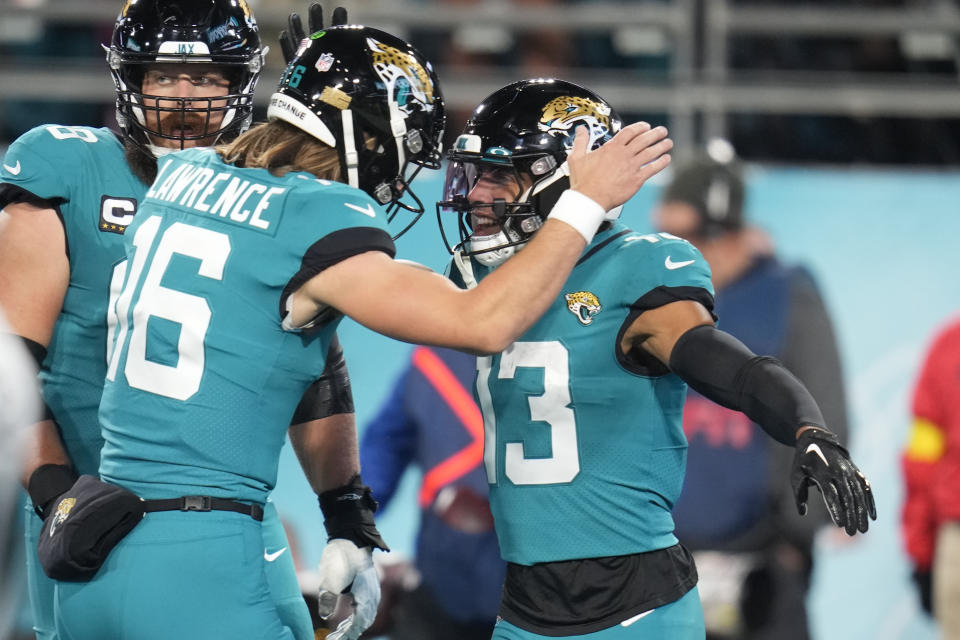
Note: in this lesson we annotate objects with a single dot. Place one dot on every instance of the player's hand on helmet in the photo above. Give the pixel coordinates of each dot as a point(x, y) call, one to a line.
point(612, 174)
point(293, 35)
point(348, 569)
point(820, 460)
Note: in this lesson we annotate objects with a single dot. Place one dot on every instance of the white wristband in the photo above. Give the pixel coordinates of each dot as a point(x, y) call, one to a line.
point(578, 211)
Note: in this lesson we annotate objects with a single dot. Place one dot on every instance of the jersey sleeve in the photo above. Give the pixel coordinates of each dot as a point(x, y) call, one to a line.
point(667, 269)
point(43, 165)
point(349, 223)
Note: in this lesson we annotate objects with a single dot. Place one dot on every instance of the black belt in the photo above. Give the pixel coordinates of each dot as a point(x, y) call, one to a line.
point(204, 503)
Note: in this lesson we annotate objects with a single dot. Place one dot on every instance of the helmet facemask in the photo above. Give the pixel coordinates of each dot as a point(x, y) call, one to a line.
point(389, 160)
point(537, 182)
point(149, 117)
point(197, 39)
point(406, 144)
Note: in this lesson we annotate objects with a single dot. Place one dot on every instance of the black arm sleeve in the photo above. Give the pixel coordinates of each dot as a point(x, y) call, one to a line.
point(811, 352)
point(723, 369)
point(330, 394)
point(12, 194)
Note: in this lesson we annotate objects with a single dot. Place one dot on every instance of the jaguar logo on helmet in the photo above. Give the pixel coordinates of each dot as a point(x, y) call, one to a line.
point(61, 514)
point(561, 116)
point(391, 64)
point(584, 305)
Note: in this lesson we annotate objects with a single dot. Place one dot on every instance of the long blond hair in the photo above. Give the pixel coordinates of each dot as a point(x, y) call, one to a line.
point(281, 147)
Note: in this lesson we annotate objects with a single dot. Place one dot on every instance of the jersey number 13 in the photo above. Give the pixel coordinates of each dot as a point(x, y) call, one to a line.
point(552, 408)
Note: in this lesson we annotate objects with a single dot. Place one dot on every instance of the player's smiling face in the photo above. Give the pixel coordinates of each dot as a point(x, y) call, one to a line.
point(493, 183)
point(189, 118)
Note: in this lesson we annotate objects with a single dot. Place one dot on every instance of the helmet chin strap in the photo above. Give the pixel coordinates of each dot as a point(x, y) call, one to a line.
point(385, 191)
point(350, 155)
point(465, 268)
point(159, 152)
point(398, 127)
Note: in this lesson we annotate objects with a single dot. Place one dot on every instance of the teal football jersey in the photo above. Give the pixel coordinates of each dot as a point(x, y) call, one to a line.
point(204, 379)
point(584, 449)
point(96, 196)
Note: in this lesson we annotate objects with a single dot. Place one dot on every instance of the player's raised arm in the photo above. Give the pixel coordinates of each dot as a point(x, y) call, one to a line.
point(721, 368)
point(488, 318)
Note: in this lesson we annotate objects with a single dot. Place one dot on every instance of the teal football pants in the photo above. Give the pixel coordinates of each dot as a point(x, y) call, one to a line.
point(279, 568)
point(179, 575)
point(679, 620)
point(282, 575)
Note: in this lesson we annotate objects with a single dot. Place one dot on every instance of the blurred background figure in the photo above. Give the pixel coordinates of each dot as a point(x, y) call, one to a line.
point(931, 467)
point(430, 420)
point(19, 408)
point(736, 513)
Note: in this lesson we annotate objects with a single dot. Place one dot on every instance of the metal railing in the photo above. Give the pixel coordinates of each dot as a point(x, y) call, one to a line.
point(690, 91)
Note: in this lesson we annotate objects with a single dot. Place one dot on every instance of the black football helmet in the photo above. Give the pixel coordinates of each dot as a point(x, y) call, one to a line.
point(526, 128)
point(376, 100)
point(218, 32)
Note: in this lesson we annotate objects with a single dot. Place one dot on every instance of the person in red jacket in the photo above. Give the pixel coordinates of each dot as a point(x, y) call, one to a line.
point(931, 466)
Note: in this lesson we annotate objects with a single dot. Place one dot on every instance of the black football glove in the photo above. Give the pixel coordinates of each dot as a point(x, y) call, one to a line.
point(821, 461)
point(47, 484)
point(291, 38)
point(923, 581)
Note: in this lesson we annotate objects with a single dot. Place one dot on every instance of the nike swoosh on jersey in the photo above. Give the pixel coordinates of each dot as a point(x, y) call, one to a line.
point(368, 211)
point(670, 264)
point(270, 557)
point(815, 448)
point(15, 169)
point(630, 621)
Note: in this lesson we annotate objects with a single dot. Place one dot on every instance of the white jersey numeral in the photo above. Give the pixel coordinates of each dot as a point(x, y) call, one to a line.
point(551, 407)
point(67, 133)
point(191, 312)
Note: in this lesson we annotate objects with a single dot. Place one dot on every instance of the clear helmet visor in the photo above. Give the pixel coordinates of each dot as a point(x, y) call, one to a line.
point(490, 203)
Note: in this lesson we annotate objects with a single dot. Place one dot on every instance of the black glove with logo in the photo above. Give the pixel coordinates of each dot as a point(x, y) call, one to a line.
point(47, 483)
point(821, 461)
point(291, 38)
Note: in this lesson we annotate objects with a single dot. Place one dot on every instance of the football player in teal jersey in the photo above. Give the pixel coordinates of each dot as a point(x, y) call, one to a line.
point(185, 73)
point(584, 449)
point(241, 262)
